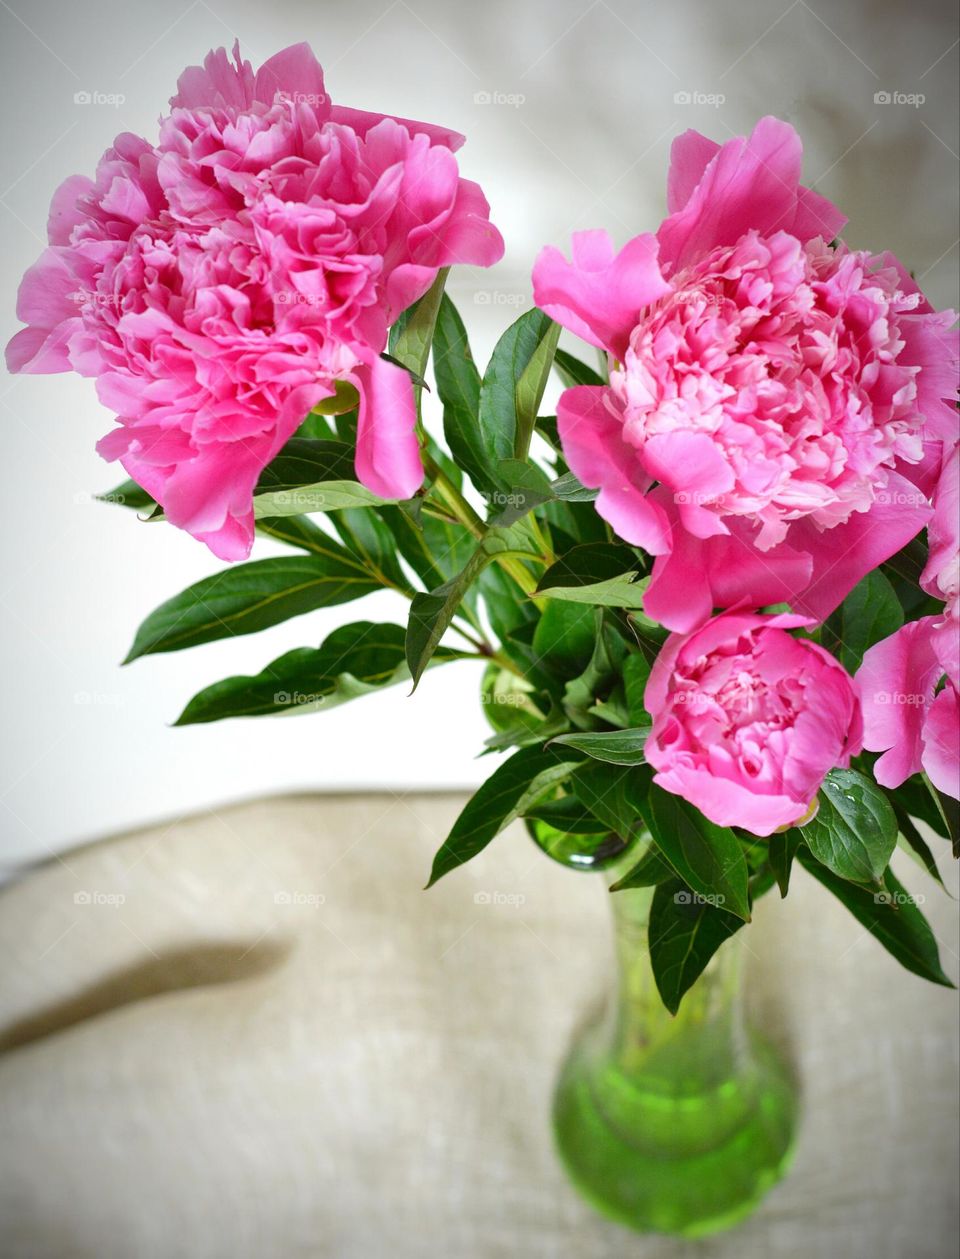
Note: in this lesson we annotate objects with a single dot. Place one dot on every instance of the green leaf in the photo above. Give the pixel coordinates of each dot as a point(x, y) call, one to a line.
point(530, 387)
point(569, 490)
point(128, 494)
point(432, 612)
point(650, 870)
point(352, 661)
point(892, 916)
point(245, 598)
point(707, 857)
point(458, 384)
point(503, 416)
point(299, 531)
point(568, 815)
point(616, 747)
point(412, 334)
point(912, 842)
point(588, 565)
point(854, 831)
point(782, 848)
point(572, 372)
point(920, 799)
point(598, 685)
point(305, 461)
point(599, 573)
point(343, 399)
point(564, 637)
point(613, 794)
point(636, 672)
point(870, 612)
point(528, 488)
point(684, 933)
point(369, 538)
point(324, 496)
point(513, 788)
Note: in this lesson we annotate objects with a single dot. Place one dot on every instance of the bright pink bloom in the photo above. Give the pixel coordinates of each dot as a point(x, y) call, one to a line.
point(908, 687)
point(218, 284)
point(763, 434)
point(748, 720)
point(941, 576)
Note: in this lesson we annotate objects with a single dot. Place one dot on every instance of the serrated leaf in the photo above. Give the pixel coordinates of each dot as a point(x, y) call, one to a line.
point(245, 598)
point(854, 831)
point(891, 916)
point(525, 777)
point(352, 661)
point(684, 933)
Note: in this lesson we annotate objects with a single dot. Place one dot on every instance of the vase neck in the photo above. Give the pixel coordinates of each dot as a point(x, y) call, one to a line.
point(705, 1037)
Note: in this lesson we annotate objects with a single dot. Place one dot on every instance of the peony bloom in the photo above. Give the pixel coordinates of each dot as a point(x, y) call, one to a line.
point(941, 576)
point(907, 714)
point(219, 283)
point(773, 401)
point(748, 720)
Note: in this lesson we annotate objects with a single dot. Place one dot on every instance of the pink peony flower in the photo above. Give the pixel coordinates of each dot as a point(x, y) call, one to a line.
point(748, 720)
point(941, 576)
point(773, 402)
point(907, 714)
point(219, 283)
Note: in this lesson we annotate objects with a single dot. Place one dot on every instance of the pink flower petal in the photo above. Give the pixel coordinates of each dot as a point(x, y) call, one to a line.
point(751, 183)
point(941, 742)
point(593, 446)
point(843, 555)
point(895, 684)
point(599, 295)
point(388, 452)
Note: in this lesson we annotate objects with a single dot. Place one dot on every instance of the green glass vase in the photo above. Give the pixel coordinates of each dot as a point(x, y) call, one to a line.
point(673, 1124)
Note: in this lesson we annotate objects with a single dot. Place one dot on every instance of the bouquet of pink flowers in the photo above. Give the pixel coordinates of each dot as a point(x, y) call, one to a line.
point(716, 597)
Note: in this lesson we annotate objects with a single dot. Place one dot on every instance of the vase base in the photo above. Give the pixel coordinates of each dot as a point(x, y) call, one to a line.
point(710, 1179)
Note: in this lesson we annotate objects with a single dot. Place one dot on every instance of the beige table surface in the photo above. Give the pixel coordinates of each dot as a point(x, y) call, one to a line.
point(249, 1033)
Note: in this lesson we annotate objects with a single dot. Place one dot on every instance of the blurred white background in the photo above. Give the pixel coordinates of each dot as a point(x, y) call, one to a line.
point(569, 109)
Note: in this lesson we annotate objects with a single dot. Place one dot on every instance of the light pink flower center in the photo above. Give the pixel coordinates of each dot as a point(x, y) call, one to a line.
point(734, 710)
point(784, 354)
